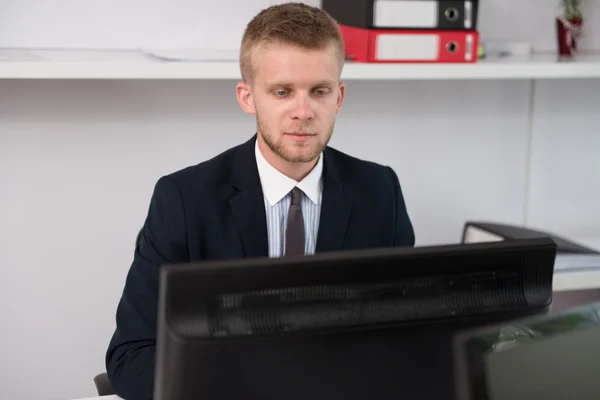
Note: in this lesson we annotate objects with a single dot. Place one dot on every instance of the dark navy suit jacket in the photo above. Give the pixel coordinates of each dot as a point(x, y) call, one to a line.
point(215, 210)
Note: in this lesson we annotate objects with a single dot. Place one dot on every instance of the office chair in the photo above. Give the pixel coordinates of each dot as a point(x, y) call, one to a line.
point(103, 386)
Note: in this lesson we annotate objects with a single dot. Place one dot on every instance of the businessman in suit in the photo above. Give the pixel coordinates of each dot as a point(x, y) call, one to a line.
point(282, 192)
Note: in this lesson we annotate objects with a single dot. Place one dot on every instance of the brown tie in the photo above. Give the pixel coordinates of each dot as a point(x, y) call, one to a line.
point(294, 234)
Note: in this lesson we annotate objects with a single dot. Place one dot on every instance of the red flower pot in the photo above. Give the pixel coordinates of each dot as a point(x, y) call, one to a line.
point(568, 32)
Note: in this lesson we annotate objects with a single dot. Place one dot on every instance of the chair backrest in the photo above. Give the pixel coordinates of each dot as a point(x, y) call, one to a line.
point(103, 386)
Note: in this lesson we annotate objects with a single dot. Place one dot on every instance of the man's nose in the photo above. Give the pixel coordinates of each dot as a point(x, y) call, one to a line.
point(303, 109)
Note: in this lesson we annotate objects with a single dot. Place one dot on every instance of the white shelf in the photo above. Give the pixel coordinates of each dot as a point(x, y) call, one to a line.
point(136, 65)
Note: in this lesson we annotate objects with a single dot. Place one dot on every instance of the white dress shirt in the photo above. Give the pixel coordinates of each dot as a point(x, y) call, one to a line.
point(276, 189)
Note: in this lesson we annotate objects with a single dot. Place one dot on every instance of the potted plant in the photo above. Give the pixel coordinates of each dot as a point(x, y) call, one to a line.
point(568, 26)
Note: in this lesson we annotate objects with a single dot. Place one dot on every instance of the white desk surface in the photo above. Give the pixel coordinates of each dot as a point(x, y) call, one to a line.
point(581, 279)
point(102, 398)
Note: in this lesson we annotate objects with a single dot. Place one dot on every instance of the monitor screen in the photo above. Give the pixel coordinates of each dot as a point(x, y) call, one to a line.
point(346, 325)
point(548, 357)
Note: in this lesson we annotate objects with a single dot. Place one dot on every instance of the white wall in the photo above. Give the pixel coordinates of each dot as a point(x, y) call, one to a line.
point(78, 160)
point(564, 193)
point(186, 23)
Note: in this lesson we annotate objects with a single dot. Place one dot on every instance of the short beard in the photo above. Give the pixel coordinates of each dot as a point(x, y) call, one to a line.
point(277, 147)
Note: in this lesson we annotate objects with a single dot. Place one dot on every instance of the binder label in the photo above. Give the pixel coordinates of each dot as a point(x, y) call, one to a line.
point(469, 53)
point(468, 14)
point(407, 14)
point(407, 47)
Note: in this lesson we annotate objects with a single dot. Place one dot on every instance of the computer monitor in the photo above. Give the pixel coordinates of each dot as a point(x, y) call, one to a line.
point(358, 324)
point(549, 357)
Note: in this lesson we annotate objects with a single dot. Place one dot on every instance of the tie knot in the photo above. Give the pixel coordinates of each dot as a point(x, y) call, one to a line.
point(296, 196)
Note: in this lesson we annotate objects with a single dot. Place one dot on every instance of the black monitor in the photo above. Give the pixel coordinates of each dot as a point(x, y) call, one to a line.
point(361, 324)
point(549, 357)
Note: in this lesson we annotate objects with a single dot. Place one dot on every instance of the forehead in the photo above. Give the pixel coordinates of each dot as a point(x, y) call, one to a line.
point(296, 65)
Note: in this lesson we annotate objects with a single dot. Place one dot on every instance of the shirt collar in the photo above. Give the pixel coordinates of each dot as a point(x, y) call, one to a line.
point(276, 185)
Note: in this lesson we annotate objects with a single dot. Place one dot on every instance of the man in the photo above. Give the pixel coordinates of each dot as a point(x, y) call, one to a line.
point(283, 192)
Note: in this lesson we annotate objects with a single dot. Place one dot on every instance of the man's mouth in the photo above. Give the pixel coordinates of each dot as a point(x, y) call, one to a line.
point(300, 135)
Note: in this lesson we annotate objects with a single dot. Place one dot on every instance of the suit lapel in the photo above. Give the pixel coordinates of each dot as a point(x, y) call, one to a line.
point(336, 205)
point(247, 205)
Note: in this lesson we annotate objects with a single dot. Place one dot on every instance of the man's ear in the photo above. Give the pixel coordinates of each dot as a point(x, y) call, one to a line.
point(244, 97)
point(341, 94)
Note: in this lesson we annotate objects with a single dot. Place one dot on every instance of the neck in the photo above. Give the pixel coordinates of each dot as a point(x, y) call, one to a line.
point(294, 170)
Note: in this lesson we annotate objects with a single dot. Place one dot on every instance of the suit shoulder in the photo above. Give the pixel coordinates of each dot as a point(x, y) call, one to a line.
point(212, 170)
point(357, 167)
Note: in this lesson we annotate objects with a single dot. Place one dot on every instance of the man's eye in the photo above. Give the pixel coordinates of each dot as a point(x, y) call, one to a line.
point(281, 93)
point(321, 92)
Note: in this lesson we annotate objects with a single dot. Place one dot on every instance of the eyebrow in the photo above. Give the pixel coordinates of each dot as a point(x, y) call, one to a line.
point(290, 84)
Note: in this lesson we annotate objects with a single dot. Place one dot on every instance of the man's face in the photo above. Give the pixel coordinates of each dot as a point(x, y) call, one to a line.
point(295, 94)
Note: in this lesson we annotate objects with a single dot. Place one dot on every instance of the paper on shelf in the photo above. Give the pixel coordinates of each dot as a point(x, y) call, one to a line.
point(498, 50)
point(204, 55)
point(18, 55)
point(93, 55)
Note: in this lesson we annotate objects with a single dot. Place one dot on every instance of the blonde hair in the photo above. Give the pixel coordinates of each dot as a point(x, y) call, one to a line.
point(295, 24)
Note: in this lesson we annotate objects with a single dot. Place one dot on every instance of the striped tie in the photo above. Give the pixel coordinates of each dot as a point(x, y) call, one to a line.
point(294, 234)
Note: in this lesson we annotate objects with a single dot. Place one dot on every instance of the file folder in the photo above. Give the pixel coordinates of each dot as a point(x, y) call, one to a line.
point(405, 14)
point(409, 46)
